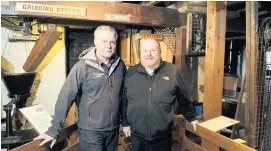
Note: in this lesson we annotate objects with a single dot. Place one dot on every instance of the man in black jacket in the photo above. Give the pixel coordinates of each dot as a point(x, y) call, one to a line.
point(97, 79)
point(150, 91)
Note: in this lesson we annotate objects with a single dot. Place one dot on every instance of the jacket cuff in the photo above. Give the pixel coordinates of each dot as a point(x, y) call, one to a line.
point(191, 118)
point(52, 134)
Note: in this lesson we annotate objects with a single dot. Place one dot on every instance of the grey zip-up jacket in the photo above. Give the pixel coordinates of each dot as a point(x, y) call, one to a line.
point(99, 93)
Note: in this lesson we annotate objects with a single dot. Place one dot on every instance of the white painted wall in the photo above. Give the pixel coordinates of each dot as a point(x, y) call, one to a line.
point(53, 76)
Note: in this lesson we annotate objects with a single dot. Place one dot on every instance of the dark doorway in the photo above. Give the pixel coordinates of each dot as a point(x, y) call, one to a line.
point(77, 40)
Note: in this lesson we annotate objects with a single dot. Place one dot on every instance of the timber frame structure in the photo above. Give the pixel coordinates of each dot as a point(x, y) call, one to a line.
point(124, 15)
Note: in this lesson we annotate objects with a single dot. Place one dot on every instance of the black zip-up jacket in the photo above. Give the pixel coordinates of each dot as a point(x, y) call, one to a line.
point(148, 101)
point(99, 93)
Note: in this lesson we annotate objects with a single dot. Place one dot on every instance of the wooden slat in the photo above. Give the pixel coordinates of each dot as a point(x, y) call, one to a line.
point(135, 49)
point(218, 123)
point(251, 55)
point(34, 145)
point(217, 139)
point(238, 105)
point(74, 147)
point(214, 64)
point(240, 141)
point(180, 56)
point(210, 136)
point(43, 45)
point(96, 11)
point(124, 48)
point(128, 50)
point(191, 146)
point(6, 66)
point(166, 54)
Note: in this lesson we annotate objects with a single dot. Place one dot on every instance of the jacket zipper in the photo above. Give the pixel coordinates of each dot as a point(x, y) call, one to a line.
point(111, 100)
point(150, 89)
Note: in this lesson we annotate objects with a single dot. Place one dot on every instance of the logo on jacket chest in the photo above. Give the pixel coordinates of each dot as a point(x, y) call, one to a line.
point(166, 78)
point(97, 75)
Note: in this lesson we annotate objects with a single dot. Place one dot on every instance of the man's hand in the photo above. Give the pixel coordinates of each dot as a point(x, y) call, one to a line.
point(126, 131)
point(46, 138)
point(194, 123)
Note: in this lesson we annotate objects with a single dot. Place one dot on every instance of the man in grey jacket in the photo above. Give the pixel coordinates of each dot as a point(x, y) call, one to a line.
point(97, 79)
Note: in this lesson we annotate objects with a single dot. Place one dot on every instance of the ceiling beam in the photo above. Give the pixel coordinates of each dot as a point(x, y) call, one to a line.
point(203, 10)
point(107, 12)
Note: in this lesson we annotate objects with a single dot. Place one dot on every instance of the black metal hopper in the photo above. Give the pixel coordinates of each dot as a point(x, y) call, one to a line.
point(19, 84)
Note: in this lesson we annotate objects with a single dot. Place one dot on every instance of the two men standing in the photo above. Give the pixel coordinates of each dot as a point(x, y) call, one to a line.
point(148, 92)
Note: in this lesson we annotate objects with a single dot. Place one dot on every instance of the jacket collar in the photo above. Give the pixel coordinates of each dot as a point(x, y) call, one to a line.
point(141, 69)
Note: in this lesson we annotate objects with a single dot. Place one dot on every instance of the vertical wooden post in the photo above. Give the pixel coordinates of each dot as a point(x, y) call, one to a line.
point(180, 59)
point(189, 32)
point(214, 63)
point(251, 55)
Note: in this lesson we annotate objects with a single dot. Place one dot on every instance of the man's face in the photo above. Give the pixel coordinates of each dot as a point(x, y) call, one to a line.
point(150, 53)
point(105, 43)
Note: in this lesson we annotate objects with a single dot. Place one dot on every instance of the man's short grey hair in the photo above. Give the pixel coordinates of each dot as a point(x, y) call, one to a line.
point(105, 28)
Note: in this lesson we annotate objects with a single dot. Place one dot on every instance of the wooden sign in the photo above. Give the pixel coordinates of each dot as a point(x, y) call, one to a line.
point(50, 9)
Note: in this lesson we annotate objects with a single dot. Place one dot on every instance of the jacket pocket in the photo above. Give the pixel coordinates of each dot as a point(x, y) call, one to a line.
point(89, 107)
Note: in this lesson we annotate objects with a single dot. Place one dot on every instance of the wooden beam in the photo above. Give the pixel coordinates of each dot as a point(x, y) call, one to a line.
point(44, 44)
point(216, 138)
point(203, 10)
point(188, 3)
point(124, 13)
point(214, 64)
point(6, 66)
point(180, 56)
point(34, 145)
point(251, 68)
point(191, 146)
point(188, 144)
